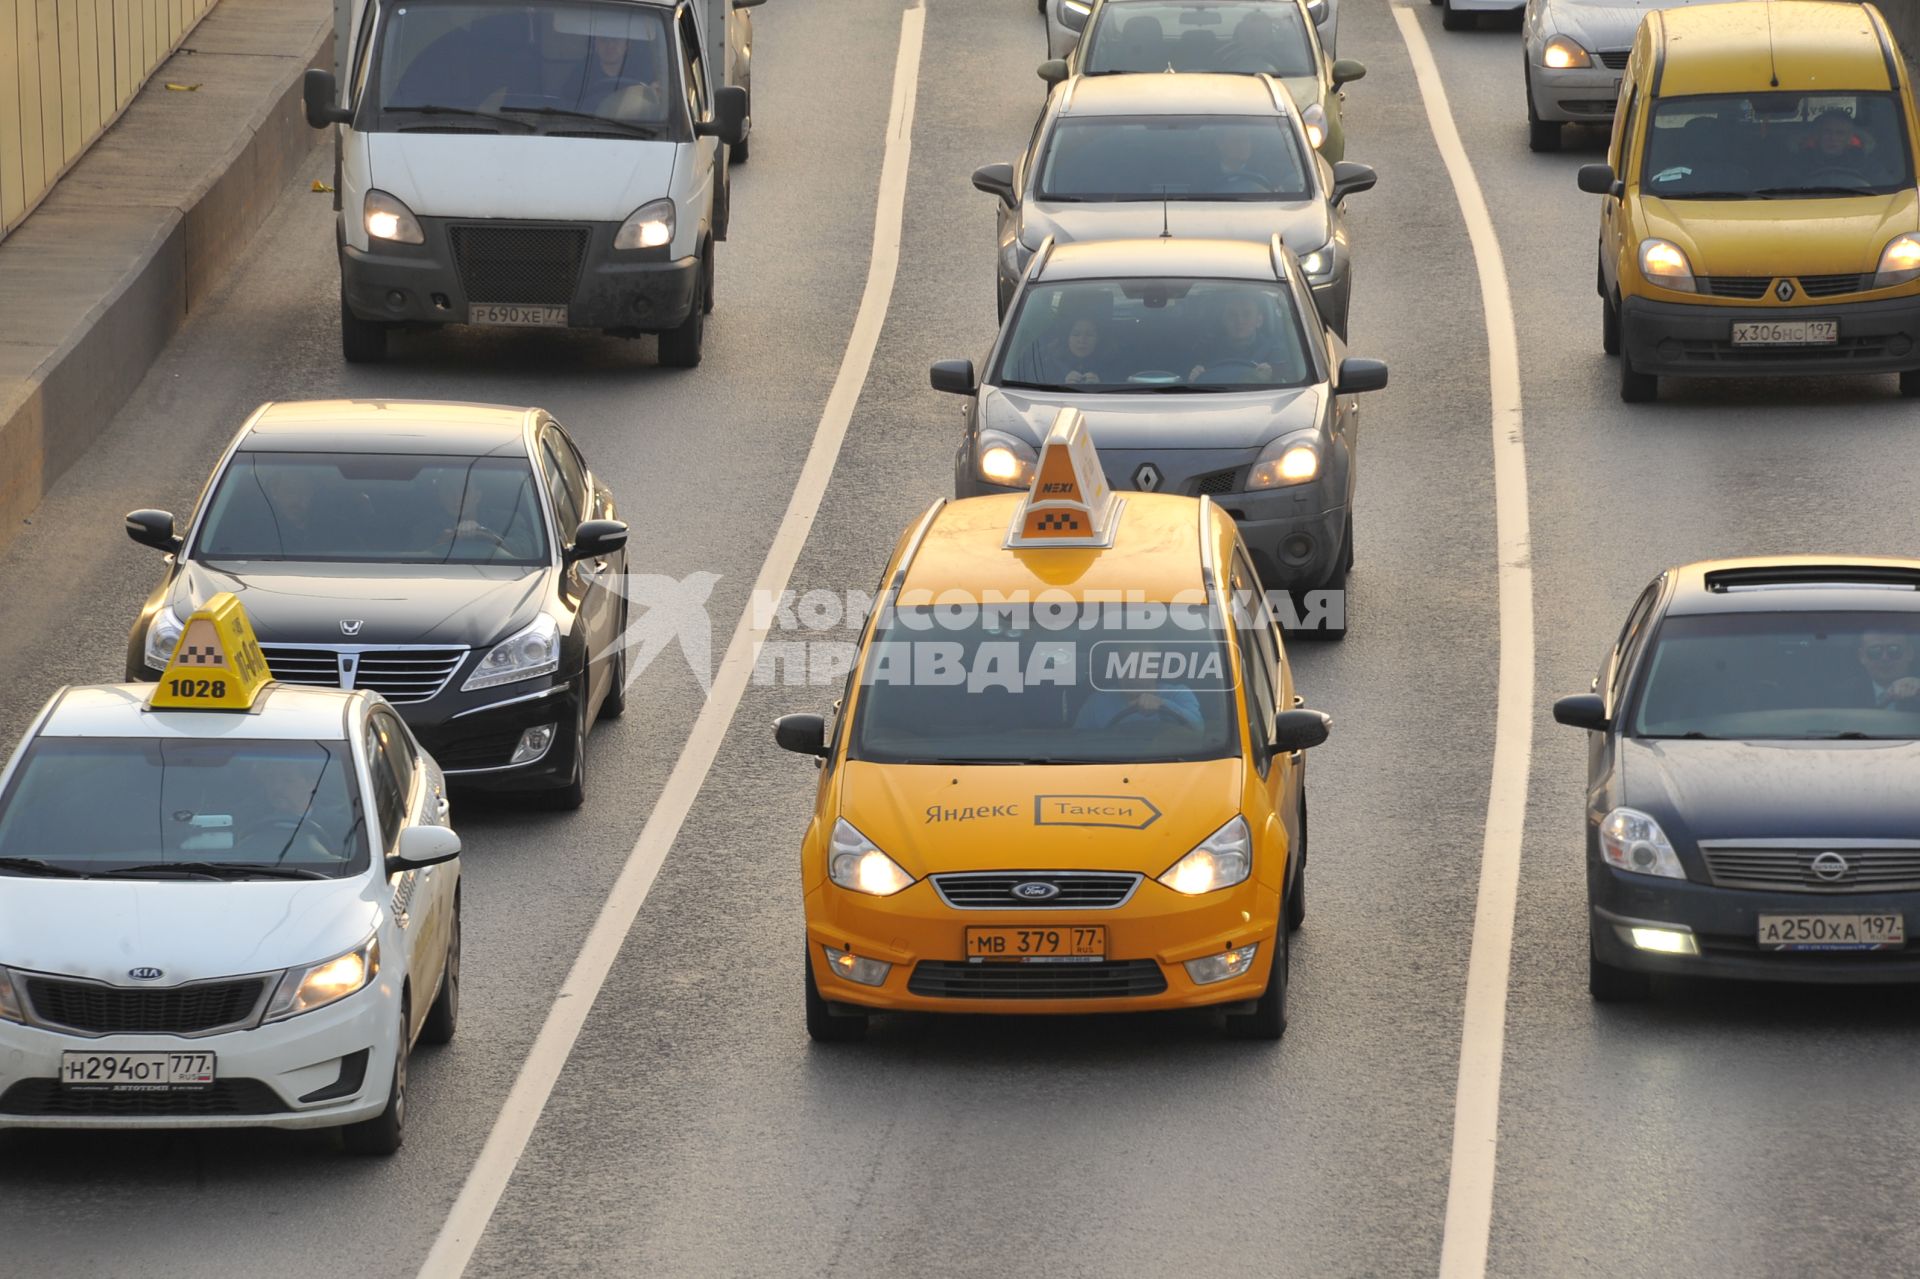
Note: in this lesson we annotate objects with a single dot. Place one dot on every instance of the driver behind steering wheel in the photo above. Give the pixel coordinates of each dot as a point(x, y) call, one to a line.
point(284, 825)
point(1242, 339)
point(1233, 147)
point(1170, 704)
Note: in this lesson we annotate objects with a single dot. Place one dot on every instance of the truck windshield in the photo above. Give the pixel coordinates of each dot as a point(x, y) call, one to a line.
point(1776, 146)
point(474, 66)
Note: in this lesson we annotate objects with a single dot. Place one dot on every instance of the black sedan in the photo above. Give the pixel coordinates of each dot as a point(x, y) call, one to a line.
point(460, 559)
point(1752, 800)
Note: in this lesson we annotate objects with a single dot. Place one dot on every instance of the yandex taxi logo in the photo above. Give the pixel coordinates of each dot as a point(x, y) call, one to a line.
point(216, 664)
point(1071, 503)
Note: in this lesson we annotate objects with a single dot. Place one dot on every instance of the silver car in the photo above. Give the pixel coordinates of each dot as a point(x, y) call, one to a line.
point(1202, 368)
point(1213, 156)
point(1066, 19)
point(1576, 50)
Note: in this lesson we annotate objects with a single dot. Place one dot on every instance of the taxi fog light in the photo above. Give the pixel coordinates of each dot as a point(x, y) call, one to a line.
point(163, 632)
point(1664, 941)
point(1221, 860)
point(388, 219)
point(1561, 54)
point(1664, 263)
point(853, 862)
point(533, 744)
point(1899, 261)
point(649, 227)
point(1285, 462)
point(1631, 840)
point(304, 989)
point(10, 1009)
point(867, 972)
point(1005, 460)
point(1212, 968)
point(534, 651)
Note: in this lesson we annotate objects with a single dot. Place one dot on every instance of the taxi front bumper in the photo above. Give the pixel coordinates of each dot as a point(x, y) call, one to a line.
point(1693, 339)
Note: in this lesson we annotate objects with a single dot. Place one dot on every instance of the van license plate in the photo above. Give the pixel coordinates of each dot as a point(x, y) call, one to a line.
point(136, 1072)
point(1832, 932)
point(1787, 333)
point(517, 314)
point(1041, 944)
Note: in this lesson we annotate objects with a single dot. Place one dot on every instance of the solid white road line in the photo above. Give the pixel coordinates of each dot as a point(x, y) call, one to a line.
point(467, 1221)
point(1476, 1100)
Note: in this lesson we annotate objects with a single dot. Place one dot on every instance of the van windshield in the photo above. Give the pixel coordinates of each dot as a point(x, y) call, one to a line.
point(466, 66)
point(1776, 146)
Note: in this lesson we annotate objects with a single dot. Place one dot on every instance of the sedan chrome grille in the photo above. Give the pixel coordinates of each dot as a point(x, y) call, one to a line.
point(1832, 868)
point(399, 674)
point(1072, 889)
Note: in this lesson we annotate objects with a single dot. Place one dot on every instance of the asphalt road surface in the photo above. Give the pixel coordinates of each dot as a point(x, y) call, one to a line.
point(694, 1130)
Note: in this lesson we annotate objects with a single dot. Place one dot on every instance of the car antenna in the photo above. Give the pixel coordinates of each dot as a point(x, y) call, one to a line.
point(1773, 65)
point(1166, 231)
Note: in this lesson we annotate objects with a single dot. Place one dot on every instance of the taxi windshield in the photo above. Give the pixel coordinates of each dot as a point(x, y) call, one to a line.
point(390, 508)
point(216, 809)
point(1114, 158)
point(1140, 337)
point(1782, 675)
point(1251, 36)
point(1776, 146)
point(1109, 684)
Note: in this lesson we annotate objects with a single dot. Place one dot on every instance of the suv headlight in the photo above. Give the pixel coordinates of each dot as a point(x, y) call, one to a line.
point(649, 227)
point(1221, 860)
point(1665, 264)
point(1899, 261)
point(1562, 54)
point(1003, 459)
point(533, 651)
point(388, 219)
point(304, 989)
point(1631, 840)
point(1291, 459)
point(854, 863)
point(163, 632)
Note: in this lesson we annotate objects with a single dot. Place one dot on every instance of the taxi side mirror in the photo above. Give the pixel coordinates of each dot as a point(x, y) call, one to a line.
point(422, 846)
point(955, 377)
point(1350, 178)
point(1347, 70)
point(1598, 179)
point(1300, 730)
point(321, 93)
point(1357, 375)
point(1582, 710)
point(1053, 70)
point(801, 734)
point(155, 529)
point(729, 123)
point(595, 538)
point(995, 179)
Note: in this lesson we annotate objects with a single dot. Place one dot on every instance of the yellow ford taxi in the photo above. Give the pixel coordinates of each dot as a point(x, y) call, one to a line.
point(1067, 773)
point(1759, 212)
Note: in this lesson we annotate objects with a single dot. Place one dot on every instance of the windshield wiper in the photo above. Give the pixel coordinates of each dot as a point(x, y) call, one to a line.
point(1705, 195)
point(1691, 735)
point(34, 866)
point(217, 870)
point(434, 108)
point(1777, 192)
point(1180, 388)
point(1040, 386)
point(636, 130)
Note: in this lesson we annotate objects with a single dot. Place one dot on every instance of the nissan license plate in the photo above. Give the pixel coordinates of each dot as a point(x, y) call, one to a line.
point(1786, 333)
point(517, 314)
point(136, 1072)
point(1832, 932)
point(1038, 944)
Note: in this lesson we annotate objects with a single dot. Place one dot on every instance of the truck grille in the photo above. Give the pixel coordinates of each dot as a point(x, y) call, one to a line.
point(400, 675)
point(1118, 979)
point(95, 1008)
point(518, 263)
point(1867, 870)
point(1077, 890)
point(45, 1097)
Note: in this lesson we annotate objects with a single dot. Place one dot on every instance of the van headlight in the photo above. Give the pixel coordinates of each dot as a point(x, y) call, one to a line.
point(304, 989)
point(1899, 261)
point(388, 219)
point(1563, 54)
point(854, 863)
point(649, 227)
point(523, 655)
point(1665, 263)
point(163, 632)
point(1291, 459)
point(1221, 860)
point(1631, 840)
point(1002, 459)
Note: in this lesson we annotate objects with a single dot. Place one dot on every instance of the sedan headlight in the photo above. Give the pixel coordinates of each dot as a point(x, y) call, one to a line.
point(1899, 261)
point(1288, 460)
point(1002, 459)
point(1221, 860)
point(534, 651)
point(1631, 840)
point(1665, 263)
point(1320, 263)
point(388, 219)
point(1562, 54)
point(304, 989)
point(1314, 119)
point(10, 1009)
point(854, 863)
point(650, 227)
point(163, 632)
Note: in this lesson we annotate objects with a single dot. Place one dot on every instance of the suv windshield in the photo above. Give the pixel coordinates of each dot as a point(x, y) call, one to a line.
point(1151, 335)
point(1247, 36)
point(563, 68)
point(1082, 684)
point(1172, 157)
point(1776, 146)
point(388, 508)
point(1782, 675)
point(100, 805)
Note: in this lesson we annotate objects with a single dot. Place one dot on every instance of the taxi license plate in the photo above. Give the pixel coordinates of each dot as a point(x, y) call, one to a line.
point(517, 314)
point(1832, 932)
point(1041, 944)
point(1787, 333)
point(136, 1072)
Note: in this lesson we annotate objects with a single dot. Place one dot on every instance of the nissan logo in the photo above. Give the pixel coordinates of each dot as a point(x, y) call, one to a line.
point(1830, 866)
point(145, 974)
point(1035, 890)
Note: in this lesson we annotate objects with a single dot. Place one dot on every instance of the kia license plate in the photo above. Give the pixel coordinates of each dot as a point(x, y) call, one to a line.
point(1832, 932)
point(1041, 944)
point(136, 1072)
point(1786, 333)
point(517, 315)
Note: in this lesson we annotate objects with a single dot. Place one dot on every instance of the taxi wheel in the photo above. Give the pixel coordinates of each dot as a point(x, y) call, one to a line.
point(384, 1133)
point(1296, 906)
point(824, 1026)
point(1609, 326)
point(361, 341)
point(1268, 1020)
point(444, 1017)
point(1610, 985)
point(680, 348)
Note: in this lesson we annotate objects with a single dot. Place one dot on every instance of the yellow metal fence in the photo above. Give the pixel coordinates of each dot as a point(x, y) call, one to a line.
point(67, 70)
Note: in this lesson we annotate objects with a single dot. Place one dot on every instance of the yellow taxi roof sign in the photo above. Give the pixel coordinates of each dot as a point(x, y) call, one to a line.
point(216, 663)
point(1071, 503)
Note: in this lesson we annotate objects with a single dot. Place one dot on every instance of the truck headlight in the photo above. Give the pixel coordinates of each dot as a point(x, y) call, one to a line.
point(1899, 261)
point(1221, 860)
point(649, 227)
point(163, 632)
point(304, 989)
point(1563, 54)
point(533, 651)
point(854, 863)
point(1631, 840)
point(1288, 460)
point(1004, 460)
point(388, 219)
point(1665, 264)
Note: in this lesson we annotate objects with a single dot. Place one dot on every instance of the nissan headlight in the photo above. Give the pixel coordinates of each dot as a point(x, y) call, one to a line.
point(534, 651)
point(1665, 263)
point(304, 989)
point(1004, 460)
point(1563, 54)
point(854, 863)
point(1288, 460)
point(1899, 261)
point(1221, 860)
point(650, 227)
point(1314, 119)
point(1631, 840)
point(163, 632)
point(10, 1007)
point(388, 219)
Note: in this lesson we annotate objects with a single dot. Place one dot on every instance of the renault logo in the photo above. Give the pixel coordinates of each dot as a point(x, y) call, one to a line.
point(1036, 891)
point(1147, 478)
point(145, 974)
point(351, 626)
point(1784, 290)
point(1830, 867)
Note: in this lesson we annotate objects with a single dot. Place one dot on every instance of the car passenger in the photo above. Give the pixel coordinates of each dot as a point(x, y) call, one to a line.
point(1078, 358)
point(623, 79)
point(1886, 657)
point(1243, 340)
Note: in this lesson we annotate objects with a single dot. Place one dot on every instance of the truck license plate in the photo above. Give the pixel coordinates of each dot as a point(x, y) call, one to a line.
point(1786, 333)
point(517, 315)
point(136, 1072)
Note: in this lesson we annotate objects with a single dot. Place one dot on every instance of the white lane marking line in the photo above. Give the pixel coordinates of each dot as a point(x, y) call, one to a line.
point(485, 1184)
point(1476, 1099)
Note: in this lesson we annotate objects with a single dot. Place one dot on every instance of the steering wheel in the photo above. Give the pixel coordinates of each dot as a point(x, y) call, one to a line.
point(1217, 371)
point(1852, 176)
point(1163, 713)
point(1249, 181)
point(285, 828)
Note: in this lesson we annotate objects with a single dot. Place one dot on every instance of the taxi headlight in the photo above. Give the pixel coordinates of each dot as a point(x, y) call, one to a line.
point(534, 651)
point(1562, 54)
point(1221, 860)
point(1899, 261)
point(1315, 121)
point(304, 989)
point(1005, 460)
point(163, 632)
point(854, 863)
point(1285, 461)
point(388, 219)
point(1631, 840)
point(650, 227)
point(1665, 264)
point(10, 1009)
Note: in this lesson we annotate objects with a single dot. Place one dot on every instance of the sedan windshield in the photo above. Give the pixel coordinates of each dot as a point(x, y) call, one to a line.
point(1782, 675)
point(1775, 146)
point(1112, 158)
point(168, 807)
point(1115, 684)
point(1248, 36)
point(1146, 336)
point(387, 508)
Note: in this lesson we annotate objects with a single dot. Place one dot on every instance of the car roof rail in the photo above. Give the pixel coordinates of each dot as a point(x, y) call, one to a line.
point(1040, 256)
point(1800, 576)
point(1273, 88)
point(1279, 258)
point(913, 545)
point(1206, 542)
